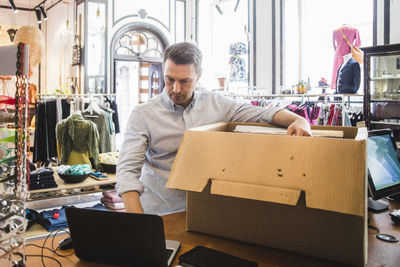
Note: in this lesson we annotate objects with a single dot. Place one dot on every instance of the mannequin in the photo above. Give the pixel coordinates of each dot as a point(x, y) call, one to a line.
point(348, 76)
point(341, 48)
point(346, 58)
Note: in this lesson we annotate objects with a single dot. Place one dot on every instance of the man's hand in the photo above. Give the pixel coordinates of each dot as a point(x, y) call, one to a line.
point(295, 124)
point(299, 127)
point(132, 202)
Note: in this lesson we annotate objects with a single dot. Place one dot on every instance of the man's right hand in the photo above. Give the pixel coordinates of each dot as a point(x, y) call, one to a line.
point(132, 202)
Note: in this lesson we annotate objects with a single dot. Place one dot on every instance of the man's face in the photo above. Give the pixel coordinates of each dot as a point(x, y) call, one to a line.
point(180, 81)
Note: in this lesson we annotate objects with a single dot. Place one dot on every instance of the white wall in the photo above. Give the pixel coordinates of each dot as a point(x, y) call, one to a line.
point(59, 41)
point(7, 16)
point(394, 22)
point(263, 44)
point(380, 22)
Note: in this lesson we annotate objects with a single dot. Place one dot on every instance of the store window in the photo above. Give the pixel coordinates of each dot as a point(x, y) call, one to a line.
point(308, 30)
point(223, 38)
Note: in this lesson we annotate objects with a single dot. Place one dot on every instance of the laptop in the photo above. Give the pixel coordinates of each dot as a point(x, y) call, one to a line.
point(120, 238)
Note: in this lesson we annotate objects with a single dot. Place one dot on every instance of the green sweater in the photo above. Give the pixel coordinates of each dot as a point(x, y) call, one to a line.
point(77, 134)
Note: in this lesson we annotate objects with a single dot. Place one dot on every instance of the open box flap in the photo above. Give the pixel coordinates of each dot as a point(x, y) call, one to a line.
point(256, 192)
point(331, 171)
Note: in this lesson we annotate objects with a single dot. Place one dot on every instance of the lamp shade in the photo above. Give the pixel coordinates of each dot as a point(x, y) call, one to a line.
point(33, 36)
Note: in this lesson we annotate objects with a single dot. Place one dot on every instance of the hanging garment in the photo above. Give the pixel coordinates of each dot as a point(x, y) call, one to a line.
point(66, 108)
point(113, 106)
point(45, 144)
point(341, 48)
point(78, 141)
point(348, 77)
point(103, 127)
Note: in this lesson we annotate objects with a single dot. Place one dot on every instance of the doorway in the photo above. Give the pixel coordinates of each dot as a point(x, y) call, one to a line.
point(136, 73)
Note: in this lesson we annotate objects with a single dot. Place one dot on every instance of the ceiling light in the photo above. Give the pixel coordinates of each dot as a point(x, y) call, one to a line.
point(38, 16)
point(43, 12)
point(13, 6)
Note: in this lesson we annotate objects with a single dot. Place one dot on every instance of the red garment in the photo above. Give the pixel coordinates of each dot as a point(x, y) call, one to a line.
point(341, 48)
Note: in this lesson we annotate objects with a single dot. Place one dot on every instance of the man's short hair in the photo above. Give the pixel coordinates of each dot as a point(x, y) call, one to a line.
point(184, 53)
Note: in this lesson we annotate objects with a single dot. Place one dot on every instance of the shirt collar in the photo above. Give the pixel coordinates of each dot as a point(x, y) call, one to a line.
point(169, 104)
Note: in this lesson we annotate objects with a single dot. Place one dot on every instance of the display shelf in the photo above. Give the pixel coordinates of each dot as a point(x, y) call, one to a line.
point(385, 78)
point(90, 185)
point(385, 100)
point(386, 123)
point(39, 232)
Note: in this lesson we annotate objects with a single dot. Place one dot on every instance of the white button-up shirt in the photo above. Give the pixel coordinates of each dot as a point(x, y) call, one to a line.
point(152, 139)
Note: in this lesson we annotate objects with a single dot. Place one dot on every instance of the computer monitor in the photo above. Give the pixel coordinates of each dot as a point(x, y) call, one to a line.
point(383, 167)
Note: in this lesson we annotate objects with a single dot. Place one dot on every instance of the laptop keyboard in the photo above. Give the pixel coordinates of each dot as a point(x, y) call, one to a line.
point(168, 253)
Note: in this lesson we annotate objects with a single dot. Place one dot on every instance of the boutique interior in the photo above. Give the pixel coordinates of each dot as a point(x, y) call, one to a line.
point(261, 198)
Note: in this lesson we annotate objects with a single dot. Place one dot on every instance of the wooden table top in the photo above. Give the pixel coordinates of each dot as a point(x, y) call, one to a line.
point(379, 253)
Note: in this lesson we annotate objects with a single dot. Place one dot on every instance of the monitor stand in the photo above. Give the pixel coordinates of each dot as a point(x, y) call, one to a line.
point(376, 205)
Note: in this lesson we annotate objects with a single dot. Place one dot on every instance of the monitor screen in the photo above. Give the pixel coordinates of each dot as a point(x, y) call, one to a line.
point(383, 166)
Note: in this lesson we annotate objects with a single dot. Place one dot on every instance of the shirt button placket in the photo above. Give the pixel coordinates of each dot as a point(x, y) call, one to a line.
point(186, 118)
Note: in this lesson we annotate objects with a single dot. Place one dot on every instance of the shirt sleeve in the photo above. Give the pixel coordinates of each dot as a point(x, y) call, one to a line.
point(132, 154)
point(245, 112)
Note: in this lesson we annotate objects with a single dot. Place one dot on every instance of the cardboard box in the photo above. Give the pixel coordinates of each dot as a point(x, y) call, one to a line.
point(301, 194)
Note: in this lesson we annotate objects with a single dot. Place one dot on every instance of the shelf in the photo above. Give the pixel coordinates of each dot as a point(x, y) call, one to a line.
point(385, 78)
point(385, 100)
point(90, 185)
point(385, 123)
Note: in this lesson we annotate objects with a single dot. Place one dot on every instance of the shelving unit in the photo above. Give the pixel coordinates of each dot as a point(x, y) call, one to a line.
point(382, 85)
point(385, 78)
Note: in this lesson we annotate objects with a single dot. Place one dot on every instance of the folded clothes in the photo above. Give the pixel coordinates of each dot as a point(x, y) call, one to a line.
point(98, 174)
point(109, 200)
point(115, 206)
point(54, 219)
point(42, 186)
point(78, 169)
point(112, 196)
point(41, 172)
point(42, 178)
point(97, 207)
point(49, 182)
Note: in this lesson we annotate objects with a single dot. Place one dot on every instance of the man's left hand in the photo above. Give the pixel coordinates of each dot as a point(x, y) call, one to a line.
point(299, 127)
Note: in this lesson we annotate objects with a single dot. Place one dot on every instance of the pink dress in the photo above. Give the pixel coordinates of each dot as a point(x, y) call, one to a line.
point(341, 47)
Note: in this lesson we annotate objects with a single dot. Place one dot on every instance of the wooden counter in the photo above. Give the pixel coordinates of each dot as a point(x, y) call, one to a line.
point(379, 253)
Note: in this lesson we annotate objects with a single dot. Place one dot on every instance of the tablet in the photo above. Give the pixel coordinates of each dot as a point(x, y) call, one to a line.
point(383, 164)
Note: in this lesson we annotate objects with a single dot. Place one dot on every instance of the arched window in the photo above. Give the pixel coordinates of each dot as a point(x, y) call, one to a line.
point(141, 44)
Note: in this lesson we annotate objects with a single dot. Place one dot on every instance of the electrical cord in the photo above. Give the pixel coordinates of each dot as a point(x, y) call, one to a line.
point(373, 228)
point(52, 249)
point(44, 256)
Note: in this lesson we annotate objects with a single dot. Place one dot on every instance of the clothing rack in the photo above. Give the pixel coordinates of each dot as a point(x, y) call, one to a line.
point(306, 97)
point(73, 95)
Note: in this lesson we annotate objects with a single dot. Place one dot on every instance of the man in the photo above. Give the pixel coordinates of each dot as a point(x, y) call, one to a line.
point(155, 129)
